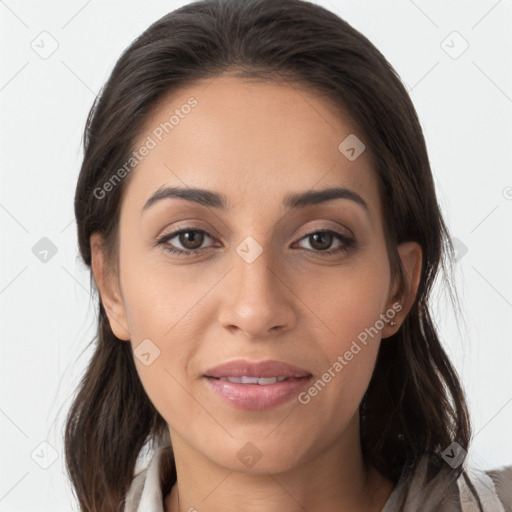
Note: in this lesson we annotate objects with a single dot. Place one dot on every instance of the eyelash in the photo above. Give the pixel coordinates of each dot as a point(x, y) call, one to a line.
point(347, 243)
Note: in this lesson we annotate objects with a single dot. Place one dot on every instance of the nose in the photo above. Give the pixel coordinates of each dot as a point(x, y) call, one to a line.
point(256, 299)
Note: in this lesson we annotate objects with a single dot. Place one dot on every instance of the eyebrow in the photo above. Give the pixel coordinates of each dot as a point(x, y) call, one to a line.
point(290, 201)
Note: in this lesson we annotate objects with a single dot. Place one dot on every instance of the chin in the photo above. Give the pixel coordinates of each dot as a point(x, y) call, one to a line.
point(259, 457)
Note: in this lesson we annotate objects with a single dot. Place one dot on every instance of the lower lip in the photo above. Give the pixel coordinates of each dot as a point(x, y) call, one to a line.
point(257, 397)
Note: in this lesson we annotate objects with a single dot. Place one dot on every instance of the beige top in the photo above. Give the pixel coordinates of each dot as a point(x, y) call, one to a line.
point(494, 489)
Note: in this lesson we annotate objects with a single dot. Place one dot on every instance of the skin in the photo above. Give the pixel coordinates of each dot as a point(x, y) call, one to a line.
point(255, 143)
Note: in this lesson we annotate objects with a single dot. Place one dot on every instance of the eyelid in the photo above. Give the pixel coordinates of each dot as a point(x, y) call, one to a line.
point(191, 225)
point(348, 234)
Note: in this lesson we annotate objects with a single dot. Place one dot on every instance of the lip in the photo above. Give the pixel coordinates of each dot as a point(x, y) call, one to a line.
point(257, 396)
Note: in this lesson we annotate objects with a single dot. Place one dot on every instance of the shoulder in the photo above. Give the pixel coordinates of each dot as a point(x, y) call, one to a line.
point(481, 491)
point(487, 491)
point(501, 479)
point(472, 490)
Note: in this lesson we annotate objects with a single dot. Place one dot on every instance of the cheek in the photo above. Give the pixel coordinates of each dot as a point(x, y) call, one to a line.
point(169, 314)
point(159, 296)
point(161, 308)
point(350, 303)
point(164, 325)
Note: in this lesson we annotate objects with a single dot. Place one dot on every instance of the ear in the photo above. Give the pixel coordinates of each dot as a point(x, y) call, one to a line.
point(411, 257)
point(108, 286)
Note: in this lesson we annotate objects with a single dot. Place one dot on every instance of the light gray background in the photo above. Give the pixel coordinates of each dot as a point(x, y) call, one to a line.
point(47, 317)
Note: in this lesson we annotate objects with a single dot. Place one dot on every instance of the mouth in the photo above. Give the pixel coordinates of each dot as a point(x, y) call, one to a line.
point(256, 386)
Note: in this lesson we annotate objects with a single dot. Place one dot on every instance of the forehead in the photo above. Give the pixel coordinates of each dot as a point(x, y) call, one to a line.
point(254, 141)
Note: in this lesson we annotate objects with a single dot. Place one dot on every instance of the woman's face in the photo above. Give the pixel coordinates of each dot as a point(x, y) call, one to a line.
point(307, 284)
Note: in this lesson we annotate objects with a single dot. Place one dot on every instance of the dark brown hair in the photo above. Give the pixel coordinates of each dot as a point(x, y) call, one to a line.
point(414, 405)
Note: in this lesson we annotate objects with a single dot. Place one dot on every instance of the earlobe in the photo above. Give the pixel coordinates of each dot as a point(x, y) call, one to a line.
point(411, 257)
point(108, 288)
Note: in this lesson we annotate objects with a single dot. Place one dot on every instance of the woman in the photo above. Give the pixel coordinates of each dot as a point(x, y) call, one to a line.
point(258, 212)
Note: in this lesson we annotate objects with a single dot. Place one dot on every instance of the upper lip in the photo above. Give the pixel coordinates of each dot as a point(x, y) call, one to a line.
point(268, 368)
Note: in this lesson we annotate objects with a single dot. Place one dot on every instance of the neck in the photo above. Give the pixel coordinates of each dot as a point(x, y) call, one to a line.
point(336, 479)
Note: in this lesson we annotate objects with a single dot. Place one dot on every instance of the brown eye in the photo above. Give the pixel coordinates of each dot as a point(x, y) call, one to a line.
point(320, 241)
point(187, 241)
point(191, 239)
